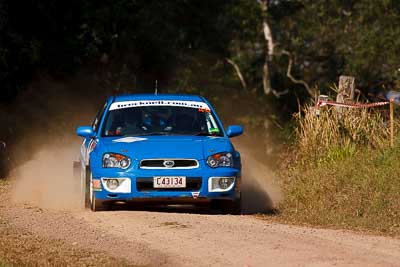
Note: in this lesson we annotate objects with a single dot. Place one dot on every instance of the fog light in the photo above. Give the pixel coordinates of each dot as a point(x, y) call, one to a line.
point(117, 185)
point(224, 183)
point(112, 183)
point(220, 184)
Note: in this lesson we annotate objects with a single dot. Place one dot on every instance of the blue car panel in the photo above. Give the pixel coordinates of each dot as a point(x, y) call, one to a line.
point(170, 148)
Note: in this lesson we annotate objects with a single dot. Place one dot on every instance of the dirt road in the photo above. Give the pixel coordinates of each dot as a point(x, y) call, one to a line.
point(40, 224)
point(185, 237)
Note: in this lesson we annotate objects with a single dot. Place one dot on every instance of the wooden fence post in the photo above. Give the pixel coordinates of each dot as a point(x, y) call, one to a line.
point(346, 89)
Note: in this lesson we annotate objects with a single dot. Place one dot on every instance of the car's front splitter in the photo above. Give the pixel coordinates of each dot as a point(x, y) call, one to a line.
point(193, 195)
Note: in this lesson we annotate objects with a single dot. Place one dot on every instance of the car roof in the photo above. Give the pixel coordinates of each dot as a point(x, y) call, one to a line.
point(134, 97)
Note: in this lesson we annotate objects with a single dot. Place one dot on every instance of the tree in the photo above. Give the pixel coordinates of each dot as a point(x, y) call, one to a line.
point(331, 38)
point(269, 46)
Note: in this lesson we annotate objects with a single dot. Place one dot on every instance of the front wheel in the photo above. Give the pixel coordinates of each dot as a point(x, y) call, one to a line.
point(90, 196)
point(228, 206)
point(95, 204)
point(235, 207)
point(86, 186)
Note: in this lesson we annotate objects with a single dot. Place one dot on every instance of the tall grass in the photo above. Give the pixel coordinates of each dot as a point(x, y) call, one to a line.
point(335, 132)
point(344, 174)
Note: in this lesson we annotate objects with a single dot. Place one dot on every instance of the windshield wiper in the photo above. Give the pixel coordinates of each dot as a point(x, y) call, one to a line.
point(175, 133)
point(152, 133)
point(203, 134)
point(189, 133)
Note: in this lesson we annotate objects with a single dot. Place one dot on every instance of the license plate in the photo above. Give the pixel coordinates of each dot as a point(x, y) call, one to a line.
point(169, 182)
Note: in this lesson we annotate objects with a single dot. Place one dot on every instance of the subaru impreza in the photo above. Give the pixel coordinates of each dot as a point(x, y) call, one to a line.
point(159, 149)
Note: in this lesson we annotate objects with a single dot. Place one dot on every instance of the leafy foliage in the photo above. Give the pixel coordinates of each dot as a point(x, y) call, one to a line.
point(150, 37)
point(357, 38)
point(146, 36)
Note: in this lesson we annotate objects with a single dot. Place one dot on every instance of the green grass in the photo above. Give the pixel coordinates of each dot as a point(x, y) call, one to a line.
point(357, 190)
point(343, 173)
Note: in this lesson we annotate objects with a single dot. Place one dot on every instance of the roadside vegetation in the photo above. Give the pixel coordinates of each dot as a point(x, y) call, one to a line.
point(344, 174)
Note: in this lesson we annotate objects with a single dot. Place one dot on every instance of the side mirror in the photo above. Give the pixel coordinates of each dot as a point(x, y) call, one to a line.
point(234, 130)
point(85, 131)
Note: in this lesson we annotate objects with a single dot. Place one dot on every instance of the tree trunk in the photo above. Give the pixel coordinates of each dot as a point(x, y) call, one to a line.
point(238, 73)
point(269, 48)
point(266, 78)
point(290, 76)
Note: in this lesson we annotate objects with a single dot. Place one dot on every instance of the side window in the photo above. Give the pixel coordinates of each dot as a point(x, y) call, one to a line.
point(97, 120)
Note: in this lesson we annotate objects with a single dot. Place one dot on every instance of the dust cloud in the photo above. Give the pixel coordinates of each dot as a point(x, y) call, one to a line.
point(260, 190)
point(47, 181)
point(45, 146)
point(46, 117)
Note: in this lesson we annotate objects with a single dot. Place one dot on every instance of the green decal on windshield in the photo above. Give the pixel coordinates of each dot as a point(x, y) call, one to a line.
point(214, 130)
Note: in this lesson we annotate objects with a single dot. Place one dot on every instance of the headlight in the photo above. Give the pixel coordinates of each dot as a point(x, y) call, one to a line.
point(220, 160)
point(114, 160)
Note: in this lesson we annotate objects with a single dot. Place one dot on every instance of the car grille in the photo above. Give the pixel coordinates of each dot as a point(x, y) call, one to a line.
point(146, 184)
point(169, 164)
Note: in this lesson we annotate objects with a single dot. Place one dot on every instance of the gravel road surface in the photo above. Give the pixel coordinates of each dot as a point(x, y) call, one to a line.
point(182, 236)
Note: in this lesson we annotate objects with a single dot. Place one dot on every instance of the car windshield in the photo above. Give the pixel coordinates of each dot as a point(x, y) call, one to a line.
point(160, 120)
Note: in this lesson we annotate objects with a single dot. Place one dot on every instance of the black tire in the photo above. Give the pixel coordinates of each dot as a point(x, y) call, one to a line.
point(96, 205)
point(90, 197)
point(236, 207)
point(228, 206)
point(86, 184)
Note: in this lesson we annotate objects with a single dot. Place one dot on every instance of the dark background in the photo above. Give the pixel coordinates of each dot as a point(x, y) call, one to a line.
point(60, 59)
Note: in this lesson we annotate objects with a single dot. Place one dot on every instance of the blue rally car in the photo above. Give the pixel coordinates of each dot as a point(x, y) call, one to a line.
point(161, 149)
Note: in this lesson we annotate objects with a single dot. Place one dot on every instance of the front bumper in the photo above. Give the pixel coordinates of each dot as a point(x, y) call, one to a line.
point(196, 194)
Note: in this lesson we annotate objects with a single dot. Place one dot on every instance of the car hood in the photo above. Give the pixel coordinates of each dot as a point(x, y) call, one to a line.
point(152, 147)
